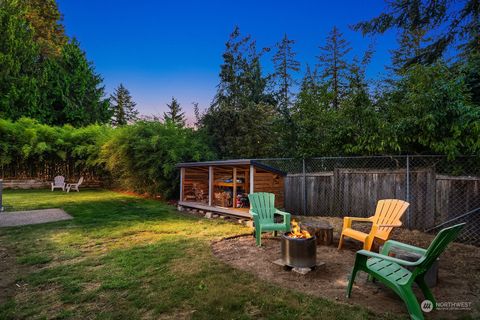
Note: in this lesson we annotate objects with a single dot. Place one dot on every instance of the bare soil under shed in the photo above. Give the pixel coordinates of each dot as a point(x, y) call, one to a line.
point(459, 272)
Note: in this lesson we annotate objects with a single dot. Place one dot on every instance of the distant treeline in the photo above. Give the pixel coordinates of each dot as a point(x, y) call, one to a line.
point(140, 157)
point(428, 102)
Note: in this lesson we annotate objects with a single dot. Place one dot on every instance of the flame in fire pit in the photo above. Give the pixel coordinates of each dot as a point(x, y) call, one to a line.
point(296, 232)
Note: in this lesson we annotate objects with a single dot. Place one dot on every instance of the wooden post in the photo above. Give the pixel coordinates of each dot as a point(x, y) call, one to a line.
point(252, 173)
point(234, 195)
point(1, 191)
point(182, 183)
point(210, 185)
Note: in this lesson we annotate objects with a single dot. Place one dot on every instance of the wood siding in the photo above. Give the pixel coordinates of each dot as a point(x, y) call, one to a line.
point(197, 179)
point(195, 182)
point(265, 181)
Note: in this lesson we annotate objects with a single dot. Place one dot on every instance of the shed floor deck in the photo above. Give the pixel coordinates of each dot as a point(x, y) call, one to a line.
point(237, 212)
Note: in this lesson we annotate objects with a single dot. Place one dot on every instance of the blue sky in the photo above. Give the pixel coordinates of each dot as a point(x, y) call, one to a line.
point(160, 49)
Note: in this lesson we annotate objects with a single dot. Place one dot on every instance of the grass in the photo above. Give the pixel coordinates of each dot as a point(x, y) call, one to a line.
point(127, 257)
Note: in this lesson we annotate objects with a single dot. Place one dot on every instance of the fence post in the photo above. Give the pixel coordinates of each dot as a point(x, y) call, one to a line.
point(1, 192)
point(407, 195)
point(304, 189)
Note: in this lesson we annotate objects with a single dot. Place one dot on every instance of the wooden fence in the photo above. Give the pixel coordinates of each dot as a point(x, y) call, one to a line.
point(20, 175)
point(433, 198)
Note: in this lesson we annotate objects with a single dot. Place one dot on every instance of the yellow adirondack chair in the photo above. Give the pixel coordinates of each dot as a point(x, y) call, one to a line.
point(387, 216)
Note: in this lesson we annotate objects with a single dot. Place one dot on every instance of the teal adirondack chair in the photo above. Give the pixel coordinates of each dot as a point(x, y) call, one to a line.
point(390, 270)
point(262, 209)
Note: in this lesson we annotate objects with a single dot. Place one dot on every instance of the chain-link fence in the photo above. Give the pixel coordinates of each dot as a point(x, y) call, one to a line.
point(441, 192)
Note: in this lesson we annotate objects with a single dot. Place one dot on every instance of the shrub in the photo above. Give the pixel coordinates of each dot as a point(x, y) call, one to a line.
point(142, 157)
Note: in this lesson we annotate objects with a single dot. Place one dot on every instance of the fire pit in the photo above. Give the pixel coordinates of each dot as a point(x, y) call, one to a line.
point(298, 250)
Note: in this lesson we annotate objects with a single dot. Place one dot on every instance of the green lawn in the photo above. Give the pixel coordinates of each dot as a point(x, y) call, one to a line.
point(124, 257)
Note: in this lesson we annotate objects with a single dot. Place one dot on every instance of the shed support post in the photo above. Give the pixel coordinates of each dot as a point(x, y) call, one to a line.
point(182, 183)
point(234, 193)
point(1, 191)
point(210, 185)
point(252, 174)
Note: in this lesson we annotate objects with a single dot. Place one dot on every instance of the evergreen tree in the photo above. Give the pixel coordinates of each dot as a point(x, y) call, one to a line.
point(356, 72)
point(459, 24)
point(122, 106)
point(313, 117)
point(72, 90)
point(283, 84)
point(240, 74)
point(229, 90)
point(333, 64)
point(46, 22)
point(19, 71)
point(197, 114)
point(410, 44)
point(470, 28)
point(362, 131)
point(284, 65)
point(53, 88)
point(174, 114)
point(241, 105)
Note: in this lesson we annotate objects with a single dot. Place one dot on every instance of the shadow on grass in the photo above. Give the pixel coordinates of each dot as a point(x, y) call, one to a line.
point(127, 257)
point(174, 276)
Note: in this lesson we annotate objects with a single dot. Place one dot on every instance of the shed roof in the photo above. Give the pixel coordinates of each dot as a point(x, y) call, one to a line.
point(234, 162)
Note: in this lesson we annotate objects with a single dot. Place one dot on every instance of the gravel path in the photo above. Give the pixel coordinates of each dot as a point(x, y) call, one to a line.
point(21, 218)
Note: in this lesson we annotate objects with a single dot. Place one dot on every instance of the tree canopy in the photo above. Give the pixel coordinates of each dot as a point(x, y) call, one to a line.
point(430, 103)
point(44, 74)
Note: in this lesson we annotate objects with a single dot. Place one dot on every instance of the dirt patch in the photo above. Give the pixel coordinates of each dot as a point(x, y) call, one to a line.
point(458, 275)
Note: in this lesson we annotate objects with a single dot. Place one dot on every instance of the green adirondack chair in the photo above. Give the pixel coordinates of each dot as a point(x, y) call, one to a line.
point(390, 270)
point(262, 209)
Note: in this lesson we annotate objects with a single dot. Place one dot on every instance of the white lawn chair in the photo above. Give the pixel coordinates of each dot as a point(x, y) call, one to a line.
point(74, 186)
point(58, 183)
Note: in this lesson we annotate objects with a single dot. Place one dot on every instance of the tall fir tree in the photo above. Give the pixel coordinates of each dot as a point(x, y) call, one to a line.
point(283, 83)
point(122, 106)
point(19, 70)
point(72, 89)
point(54, 86)
point(361, 130)
point(333, 64)
point(313, 117)
point(410, 44)
point(174, 114)
point(240, 73)
point(46, 22)
point(241, 105)
point(196, 114)
point(285, 65)
point(470, 16)
point(455, 23)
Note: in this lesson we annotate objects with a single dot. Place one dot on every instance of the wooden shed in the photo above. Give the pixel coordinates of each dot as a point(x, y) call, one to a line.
point(223, 186)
